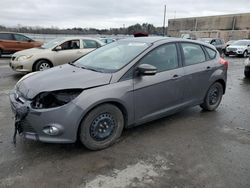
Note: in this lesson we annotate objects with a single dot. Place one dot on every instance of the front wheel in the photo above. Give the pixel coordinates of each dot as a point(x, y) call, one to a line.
point(42, 65)
point(213, 97)
point(101, 127)
point(245, 54)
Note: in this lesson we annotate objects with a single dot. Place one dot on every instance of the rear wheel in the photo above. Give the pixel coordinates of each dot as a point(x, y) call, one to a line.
point(42, 65)
point(101, 127)
point(213, 97)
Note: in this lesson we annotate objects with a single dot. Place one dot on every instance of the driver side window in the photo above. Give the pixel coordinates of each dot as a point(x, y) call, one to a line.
point(163, 58)
point(70, 45)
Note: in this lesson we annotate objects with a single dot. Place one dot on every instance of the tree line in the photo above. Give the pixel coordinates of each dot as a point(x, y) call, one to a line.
point(130, 30)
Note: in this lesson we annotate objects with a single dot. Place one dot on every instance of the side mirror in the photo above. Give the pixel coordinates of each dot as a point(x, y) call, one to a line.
point(146, 69)
point(248, 45)
point(58, 48)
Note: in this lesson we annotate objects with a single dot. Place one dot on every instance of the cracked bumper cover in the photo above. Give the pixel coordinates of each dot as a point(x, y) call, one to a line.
point(67, 118)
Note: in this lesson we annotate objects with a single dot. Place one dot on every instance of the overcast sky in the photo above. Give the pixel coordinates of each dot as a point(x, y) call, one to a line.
point(109, 13)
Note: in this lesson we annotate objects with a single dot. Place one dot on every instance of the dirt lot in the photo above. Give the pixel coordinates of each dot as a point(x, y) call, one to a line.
point(189, 149)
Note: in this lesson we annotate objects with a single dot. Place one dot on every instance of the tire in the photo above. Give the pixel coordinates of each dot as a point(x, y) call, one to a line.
point(213, 97)
point(245, 54)
point(42, 65)
point(101, 127)
point(247, 74)
point(226, 54)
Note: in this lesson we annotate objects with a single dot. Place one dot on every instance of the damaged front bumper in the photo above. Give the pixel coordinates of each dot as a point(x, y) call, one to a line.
point(34, 123)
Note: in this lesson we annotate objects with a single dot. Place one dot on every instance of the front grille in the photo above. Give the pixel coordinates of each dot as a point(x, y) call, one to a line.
point(26, 127)
point(232, 49)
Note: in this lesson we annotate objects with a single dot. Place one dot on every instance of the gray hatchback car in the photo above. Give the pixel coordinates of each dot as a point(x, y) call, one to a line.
point(123, 84)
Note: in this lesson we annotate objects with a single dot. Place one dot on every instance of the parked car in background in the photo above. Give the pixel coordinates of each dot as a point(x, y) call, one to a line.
point(13, 42)
point(247, 68)
point(230, 42)
point(56, 52)
point(123, 84)
point(239, 48)
point(107, 40)
point(217, 42)
point(188, 36)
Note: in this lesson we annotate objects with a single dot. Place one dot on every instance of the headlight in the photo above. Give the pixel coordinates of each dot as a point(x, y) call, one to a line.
point(240, 49)
point(24, 57)
point(54, 98)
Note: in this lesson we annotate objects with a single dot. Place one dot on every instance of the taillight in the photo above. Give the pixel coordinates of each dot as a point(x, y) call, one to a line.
point(224, 62)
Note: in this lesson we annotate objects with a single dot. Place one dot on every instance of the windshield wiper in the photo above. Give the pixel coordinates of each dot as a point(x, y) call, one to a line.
point(92, 69)
point(72, 63)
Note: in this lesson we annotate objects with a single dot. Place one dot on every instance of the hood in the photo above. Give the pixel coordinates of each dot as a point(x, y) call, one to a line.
point(236, 46)
point(30, 51)
point(61, 77)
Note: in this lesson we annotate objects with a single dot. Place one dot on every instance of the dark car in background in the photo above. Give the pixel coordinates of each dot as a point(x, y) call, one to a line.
point(217, 42)
point(13, 42)
point(123, 84)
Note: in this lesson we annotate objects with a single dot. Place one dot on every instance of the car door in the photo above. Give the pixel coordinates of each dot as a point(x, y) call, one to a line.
point(22, 42)
point(197, 71)
point(161, 93)
point(70, 51)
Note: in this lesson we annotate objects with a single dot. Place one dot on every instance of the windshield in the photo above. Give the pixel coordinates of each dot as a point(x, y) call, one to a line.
point(52, 43)
point(111, 57)
point(241, 43)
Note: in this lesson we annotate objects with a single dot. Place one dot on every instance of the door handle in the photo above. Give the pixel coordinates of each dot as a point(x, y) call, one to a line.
point(208, 68)
point(175, 77)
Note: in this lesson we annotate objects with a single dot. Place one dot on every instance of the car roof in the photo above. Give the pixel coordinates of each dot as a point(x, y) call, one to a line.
point(163, 39)
point(144, 39)
point(76, 37)
point(7, 32)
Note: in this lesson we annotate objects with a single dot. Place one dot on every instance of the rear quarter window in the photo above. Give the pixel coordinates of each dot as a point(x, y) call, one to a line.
point(6, 36)
point(211, 53)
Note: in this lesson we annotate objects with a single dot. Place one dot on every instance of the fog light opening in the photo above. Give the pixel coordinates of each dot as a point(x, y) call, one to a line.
point(51, 130)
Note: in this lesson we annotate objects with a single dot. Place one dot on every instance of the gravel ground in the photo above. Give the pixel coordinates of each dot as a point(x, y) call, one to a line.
point(189, 149)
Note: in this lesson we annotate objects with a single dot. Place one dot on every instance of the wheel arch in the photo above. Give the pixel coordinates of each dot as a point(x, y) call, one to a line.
point(119, 105)
point(223, 83)
point(34, 64)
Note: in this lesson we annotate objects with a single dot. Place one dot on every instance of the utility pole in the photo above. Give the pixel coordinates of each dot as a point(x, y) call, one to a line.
point(164, 19)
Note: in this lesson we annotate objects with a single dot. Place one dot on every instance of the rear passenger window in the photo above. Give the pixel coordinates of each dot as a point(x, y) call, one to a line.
point(193, 53)
point(163, 58)
point(21, 38)
point(90, 44)
point(211, 52)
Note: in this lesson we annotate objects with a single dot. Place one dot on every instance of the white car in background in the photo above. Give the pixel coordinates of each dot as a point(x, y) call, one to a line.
point(239, 48)
point(56, 52)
